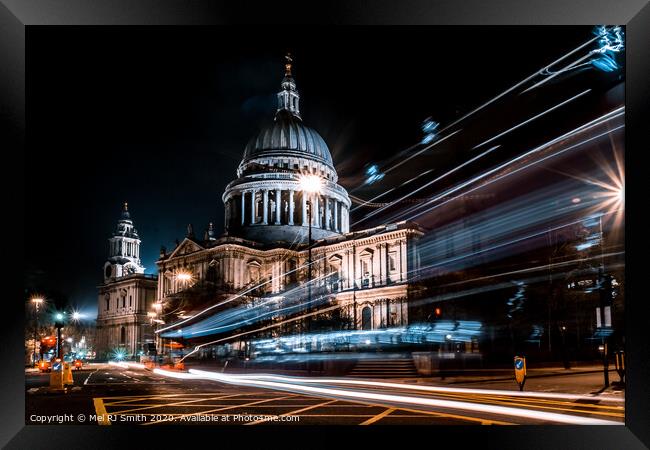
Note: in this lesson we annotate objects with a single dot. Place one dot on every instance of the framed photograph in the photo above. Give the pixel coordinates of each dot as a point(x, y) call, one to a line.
point(384, 221)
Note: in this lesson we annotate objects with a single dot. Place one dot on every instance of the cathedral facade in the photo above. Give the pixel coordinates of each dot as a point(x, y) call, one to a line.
point(125, 296)
point(277, 226)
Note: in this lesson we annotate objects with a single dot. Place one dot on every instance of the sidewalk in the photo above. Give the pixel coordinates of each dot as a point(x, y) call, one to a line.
point(584, 380)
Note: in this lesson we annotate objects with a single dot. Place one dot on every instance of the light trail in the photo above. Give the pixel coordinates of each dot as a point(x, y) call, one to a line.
point(126, 365)
point(489, 102)
point(592, 124)
point(391, 189)
point(304, 316)
point(367, 216)
point(564, 69)
point(248, 314)
point(391, 398)
point(419, 152)
point(503, 133)
point(239, 295)
point(514, 241)
point(535, 74)
point(413, 387)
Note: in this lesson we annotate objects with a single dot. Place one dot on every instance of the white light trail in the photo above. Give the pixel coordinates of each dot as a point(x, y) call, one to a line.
point(537, 73)
point(611, 115)
point(235, 297)
point(427, 184)
point(390, 398)
point(532, 118)
point(419, 152)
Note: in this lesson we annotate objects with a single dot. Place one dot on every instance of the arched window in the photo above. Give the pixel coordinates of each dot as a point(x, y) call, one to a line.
point(366, 318)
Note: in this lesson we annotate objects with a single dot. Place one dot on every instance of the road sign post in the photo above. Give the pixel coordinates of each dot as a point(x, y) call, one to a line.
point(520, 371)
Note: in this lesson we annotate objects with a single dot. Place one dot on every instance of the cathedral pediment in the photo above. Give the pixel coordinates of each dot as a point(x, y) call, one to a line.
point(185, 248)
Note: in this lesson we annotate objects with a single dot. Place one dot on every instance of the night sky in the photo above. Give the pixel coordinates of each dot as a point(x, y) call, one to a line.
point(160, 116)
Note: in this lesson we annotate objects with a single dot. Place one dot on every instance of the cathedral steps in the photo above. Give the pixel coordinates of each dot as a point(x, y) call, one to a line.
point(384, 368)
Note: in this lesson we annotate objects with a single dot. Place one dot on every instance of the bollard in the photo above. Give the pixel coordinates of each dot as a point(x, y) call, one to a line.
point(67, 374)
point(56, 377)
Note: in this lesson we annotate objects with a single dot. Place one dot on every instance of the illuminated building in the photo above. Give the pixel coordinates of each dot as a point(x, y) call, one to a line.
point(125, 296)
point(264, 249)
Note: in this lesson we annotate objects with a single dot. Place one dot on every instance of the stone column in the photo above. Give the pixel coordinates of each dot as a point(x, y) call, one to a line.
point(252, 206)
point(265, 206)
point(278, 206)
point(336, 215)
point(304, 210)
point(315, 214)
point(327, 213)
point(402, 265)
point(291, 207)
point(243, 207)
point(382, 263)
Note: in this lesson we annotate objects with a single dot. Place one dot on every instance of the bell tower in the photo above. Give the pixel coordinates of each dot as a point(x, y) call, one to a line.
point(123, 249)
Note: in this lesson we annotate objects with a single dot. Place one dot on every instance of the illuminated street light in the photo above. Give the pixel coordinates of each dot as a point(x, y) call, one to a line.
point(59, 316)
point(38, 301)
point(76, 315)
point(311, 184)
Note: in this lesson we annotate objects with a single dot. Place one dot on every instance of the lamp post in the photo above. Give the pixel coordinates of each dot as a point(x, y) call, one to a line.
point(58, 324)
point(310, 184)
point(37, 302)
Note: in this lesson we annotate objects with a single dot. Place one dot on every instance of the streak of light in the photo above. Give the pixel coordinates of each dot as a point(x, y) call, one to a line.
point(537, 73)
point(512, 161)
point(391, 190)
point(419, 152)
point(412, 387)
point(503, 133)
point(294, 319)
point(235, 297)
point(390, 398)
point(126, 365)
point(367, 216)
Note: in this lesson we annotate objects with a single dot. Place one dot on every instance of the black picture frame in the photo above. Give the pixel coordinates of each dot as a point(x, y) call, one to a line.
point(16, 15)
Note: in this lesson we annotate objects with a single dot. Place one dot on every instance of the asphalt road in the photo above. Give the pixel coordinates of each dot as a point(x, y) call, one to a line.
point(110, 395)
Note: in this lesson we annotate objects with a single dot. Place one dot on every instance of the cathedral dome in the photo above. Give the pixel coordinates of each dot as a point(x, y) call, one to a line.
point(288, 136)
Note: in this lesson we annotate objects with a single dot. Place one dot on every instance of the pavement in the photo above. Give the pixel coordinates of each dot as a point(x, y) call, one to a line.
point(108, 395)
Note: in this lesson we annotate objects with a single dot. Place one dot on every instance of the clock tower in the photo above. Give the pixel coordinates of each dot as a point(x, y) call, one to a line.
point(123, 249)
point(125, 297)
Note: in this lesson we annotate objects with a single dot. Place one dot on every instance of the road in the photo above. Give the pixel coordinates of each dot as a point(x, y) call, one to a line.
point(111, 395)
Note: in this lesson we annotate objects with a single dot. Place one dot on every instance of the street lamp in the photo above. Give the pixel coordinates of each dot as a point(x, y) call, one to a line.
point(37, 302)
point(310, 184)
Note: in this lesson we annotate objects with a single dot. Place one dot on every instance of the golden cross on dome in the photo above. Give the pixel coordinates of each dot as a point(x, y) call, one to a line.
point(287, 66)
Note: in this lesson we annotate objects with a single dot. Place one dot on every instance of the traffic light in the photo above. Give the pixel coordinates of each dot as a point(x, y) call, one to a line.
point(438, 313)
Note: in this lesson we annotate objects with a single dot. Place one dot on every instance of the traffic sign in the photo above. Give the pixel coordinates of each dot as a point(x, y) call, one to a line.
point(520, 371)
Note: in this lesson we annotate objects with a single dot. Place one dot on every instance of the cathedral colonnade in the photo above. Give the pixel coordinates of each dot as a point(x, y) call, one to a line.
point(283, 206)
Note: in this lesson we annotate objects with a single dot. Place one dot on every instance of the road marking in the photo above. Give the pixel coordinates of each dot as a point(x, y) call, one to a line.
point(88, 378)
point(297, 411)
point(378, 417)
point(244, 405)
point(175, 404)
point(101, 412)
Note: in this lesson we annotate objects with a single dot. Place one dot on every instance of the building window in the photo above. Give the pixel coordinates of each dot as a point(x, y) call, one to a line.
point(366, 318)
point(124, 302)
point(108, 306)
point(122, 335)
point(130, 300)
point(392, 262)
